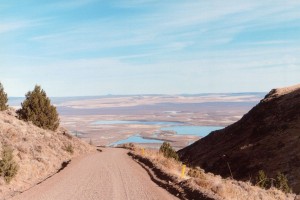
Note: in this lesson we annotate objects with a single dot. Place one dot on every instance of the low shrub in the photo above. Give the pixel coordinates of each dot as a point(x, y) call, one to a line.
point(196, 173)
point(69, 148)
point(8, 167)
point(280, 181)
point(129, 146)
point(168, 151)
point(262, 180)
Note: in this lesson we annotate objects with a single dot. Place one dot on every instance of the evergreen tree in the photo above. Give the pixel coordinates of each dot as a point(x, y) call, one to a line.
point(38, 109)
point(3, 98)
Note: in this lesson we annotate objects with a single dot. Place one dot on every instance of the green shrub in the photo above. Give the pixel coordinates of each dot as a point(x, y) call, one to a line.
point(129, 146)
point(8, 167)
point(262, 179)
point(38, 109)
point(282, 183)
point(3, 98)
point(196, 173)
point(168, 151)
point(69, 148)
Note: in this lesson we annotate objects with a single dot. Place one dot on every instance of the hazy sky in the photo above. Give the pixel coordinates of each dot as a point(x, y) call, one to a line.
point(98, 47)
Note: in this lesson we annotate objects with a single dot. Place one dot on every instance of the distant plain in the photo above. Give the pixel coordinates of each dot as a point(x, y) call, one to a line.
point(111, 119)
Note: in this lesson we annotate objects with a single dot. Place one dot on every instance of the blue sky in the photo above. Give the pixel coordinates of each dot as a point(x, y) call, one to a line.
point(98, 47)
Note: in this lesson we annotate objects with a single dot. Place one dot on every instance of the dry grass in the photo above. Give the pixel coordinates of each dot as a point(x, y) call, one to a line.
point(39, 153)
point(209, 183)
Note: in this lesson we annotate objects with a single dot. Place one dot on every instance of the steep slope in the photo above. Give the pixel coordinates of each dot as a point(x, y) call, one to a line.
point(266, 138)
point(39, 153)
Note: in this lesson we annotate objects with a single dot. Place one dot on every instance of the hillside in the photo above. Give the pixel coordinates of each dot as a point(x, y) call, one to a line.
point(39, 153)
point(266, 138)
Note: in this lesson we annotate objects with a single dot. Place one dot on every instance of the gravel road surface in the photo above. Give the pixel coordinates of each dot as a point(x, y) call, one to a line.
point(111, 174)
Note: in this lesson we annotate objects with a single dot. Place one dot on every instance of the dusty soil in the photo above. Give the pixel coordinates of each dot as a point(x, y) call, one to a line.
point(110, 174)
point(39, 153)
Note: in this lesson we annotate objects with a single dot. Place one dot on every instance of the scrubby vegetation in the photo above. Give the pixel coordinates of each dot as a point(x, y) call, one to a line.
point(129, 146)
point(3, 98)
point(167, 150)
point(262, 179)
point(8, 167)
point(37, 152)
point(38, 109)
point(196, 173)
point(280, 182)
point(201, 183)
point(69, 148)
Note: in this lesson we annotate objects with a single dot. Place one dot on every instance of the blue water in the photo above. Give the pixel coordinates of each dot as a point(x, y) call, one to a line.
point(192, 130)
point(136, 139)
point(177, 127)
point(159, 123)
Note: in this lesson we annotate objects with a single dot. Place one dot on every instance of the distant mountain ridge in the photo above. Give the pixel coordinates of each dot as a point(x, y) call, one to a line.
point(266, 138)
point(16, 101)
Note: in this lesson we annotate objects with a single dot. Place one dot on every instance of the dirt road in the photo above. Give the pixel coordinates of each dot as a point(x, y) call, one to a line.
point(111, 174)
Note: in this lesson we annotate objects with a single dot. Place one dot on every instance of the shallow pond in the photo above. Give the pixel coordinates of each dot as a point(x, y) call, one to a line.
point(136, 139)
point(179, 127)
point(192, 130)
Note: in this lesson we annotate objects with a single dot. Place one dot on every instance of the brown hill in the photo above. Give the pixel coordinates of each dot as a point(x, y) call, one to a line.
point(266, 138)
point(39, 153)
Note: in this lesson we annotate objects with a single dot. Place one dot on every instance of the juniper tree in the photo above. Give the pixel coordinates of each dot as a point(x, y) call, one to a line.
point(3, 98)
point(37, 108)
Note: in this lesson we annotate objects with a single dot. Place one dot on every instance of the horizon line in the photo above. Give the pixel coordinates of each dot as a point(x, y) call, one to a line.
point(182, 94)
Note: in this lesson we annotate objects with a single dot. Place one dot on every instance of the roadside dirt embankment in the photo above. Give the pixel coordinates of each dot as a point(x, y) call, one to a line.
point(38, 153)
point(196, 184)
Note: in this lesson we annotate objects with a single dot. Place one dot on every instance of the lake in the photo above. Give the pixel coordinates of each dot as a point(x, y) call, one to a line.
point(136, 139)
point(201, 131)
point(177, 127)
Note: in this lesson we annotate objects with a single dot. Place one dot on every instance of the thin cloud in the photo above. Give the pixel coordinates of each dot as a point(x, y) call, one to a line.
point(70, 4)
point(14, 25)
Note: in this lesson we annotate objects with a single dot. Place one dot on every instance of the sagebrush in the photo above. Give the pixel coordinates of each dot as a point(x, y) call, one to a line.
point(167, 150)
point(280, 181)
point(69, 148)
point(196, 173)
point(8, 167)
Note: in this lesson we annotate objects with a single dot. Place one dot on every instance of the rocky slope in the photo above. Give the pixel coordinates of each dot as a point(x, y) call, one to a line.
point(39, 153)
point(266, 138)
